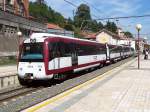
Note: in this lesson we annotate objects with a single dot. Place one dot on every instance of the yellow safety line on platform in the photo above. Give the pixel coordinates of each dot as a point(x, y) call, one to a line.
point(66, 93)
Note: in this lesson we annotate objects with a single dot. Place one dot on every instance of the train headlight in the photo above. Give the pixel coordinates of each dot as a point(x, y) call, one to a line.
point(33, 40)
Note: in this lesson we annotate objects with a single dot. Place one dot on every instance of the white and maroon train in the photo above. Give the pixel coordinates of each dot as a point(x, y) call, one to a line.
point(46, 56)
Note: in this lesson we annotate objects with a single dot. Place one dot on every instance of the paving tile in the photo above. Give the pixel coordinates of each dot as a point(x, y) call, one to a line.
point(127, 91)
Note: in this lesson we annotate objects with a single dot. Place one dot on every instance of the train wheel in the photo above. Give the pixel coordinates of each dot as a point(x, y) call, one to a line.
point(102, 65)
point(114, 61)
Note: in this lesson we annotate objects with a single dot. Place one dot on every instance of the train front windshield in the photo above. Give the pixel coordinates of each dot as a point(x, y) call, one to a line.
point(32, 52)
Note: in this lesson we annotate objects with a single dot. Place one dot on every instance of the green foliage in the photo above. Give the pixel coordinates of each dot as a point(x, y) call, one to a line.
point(77, 33)
point(82, 14)
point(95, 26)
point(128, 34)
point(38, 11)
point(44, 13)
point(69, 27)
point(84, 21)
point(8, 60)
point(111, 26)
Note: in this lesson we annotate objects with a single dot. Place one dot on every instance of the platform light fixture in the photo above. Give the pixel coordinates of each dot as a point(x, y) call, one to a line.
point(19, 33)
point(138, 28)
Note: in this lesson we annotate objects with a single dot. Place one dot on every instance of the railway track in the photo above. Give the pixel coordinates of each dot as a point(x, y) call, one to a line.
point(14, 93)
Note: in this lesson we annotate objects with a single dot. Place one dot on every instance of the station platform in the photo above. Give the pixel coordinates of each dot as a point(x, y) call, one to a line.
point(8, 70)
point(123, 89)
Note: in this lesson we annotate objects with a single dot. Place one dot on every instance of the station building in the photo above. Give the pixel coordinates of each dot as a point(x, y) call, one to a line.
point(105, 36)
point(14, 17)
point(18, 7)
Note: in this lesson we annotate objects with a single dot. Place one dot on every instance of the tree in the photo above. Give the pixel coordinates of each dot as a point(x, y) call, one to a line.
point(69, 25)
point(82, 15)
point(59, 19)
point(40, 1)
point(111, 26)
point(95, 26)
point(128, 34)
point(44, 13)
point(100, 26)
point(39, 11)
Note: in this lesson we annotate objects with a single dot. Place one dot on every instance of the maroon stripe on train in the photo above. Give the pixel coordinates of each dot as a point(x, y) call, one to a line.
point(49, 72)
point(46, 55)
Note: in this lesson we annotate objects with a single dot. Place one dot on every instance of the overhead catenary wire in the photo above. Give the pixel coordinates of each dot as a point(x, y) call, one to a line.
point(74, 5)
point(124, 17)
point(71, 3)
point(98, 10)
point(108, 18)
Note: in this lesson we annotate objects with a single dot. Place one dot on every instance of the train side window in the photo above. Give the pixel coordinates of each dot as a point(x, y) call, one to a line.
point(53, 50)
point(65, 49)
point(61, 49)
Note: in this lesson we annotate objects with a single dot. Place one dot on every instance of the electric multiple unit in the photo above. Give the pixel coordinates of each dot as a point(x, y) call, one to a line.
point(46, 56)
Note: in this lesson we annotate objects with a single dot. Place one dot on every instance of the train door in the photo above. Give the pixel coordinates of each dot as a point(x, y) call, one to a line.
point(74, 54)
point(107, 52)
point(121, 51)
point(54, 62)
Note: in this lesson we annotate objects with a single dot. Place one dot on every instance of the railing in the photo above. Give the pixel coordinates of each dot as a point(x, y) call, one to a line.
point(22, 21)
point(61, 32)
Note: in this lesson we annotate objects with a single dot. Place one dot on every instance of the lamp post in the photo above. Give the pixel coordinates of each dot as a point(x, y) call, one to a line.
point(4, 5)
point(138, 27)
point(19, 34)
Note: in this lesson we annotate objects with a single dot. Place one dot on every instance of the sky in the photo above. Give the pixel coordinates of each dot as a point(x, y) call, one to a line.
point(111, 8)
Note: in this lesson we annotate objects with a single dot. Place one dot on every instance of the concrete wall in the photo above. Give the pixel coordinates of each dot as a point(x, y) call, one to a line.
point(8, 45)
point(9, 81)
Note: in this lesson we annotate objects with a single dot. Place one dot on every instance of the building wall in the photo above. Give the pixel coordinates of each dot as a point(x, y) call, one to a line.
point(22, 6)
point(103, 38)
point(10, 24)
point(19, 7)
point(1, 1)
point(132, 44)
point(106, 38)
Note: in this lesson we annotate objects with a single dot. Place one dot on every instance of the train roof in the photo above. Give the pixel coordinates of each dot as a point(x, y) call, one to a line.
point(40, 37)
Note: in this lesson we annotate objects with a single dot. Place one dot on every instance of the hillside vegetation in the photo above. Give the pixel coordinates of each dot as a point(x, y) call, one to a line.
point(82, 20)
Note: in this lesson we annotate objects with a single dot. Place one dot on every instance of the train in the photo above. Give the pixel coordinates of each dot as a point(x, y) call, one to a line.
point(46, 56)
